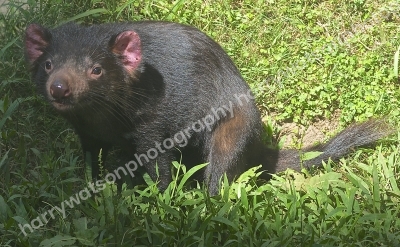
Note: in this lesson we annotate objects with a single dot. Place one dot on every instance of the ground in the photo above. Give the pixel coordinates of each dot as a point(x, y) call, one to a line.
point(299, 136)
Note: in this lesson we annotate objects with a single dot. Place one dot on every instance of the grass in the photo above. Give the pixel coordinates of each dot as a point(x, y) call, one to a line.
point(304, 60)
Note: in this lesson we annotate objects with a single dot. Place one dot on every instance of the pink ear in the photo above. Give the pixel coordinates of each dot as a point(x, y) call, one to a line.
point(127, 44)
point(36, 40)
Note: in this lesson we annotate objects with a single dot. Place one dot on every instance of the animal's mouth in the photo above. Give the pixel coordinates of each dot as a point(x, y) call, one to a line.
point(62, 104)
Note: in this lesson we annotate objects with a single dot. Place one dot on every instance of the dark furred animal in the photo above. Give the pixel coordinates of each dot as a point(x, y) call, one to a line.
point(148, 86)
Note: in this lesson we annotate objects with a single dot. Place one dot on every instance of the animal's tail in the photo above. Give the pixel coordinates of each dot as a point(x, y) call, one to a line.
point(337, 147)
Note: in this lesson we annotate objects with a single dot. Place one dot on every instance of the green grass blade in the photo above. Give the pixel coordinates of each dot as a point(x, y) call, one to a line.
point(3, 50)
point(84, 14)
point(3, 160)
point(13, 106)
point(3, 209)
point(188, 174)
point(376, 188)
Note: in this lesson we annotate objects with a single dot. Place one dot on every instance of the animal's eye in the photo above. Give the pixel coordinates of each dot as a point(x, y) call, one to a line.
point(96, 70)
point(47, 65)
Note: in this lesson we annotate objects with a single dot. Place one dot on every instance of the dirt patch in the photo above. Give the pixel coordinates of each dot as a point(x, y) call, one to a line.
point(297, 136)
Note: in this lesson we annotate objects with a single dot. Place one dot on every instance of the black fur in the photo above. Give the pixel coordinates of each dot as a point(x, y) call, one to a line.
point(183, 76)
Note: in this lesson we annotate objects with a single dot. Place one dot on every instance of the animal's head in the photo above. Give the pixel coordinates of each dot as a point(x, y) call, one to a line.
point(79, 66)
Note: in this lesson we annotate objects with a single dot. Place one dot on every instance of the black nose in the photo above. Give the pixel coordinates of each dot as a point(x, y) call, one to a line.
point(59, 90)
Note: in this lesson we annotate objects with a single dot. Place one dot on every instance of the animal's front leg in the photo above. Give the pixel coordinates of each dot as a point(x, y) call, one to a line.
point(157, 161)
point(91, 151)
